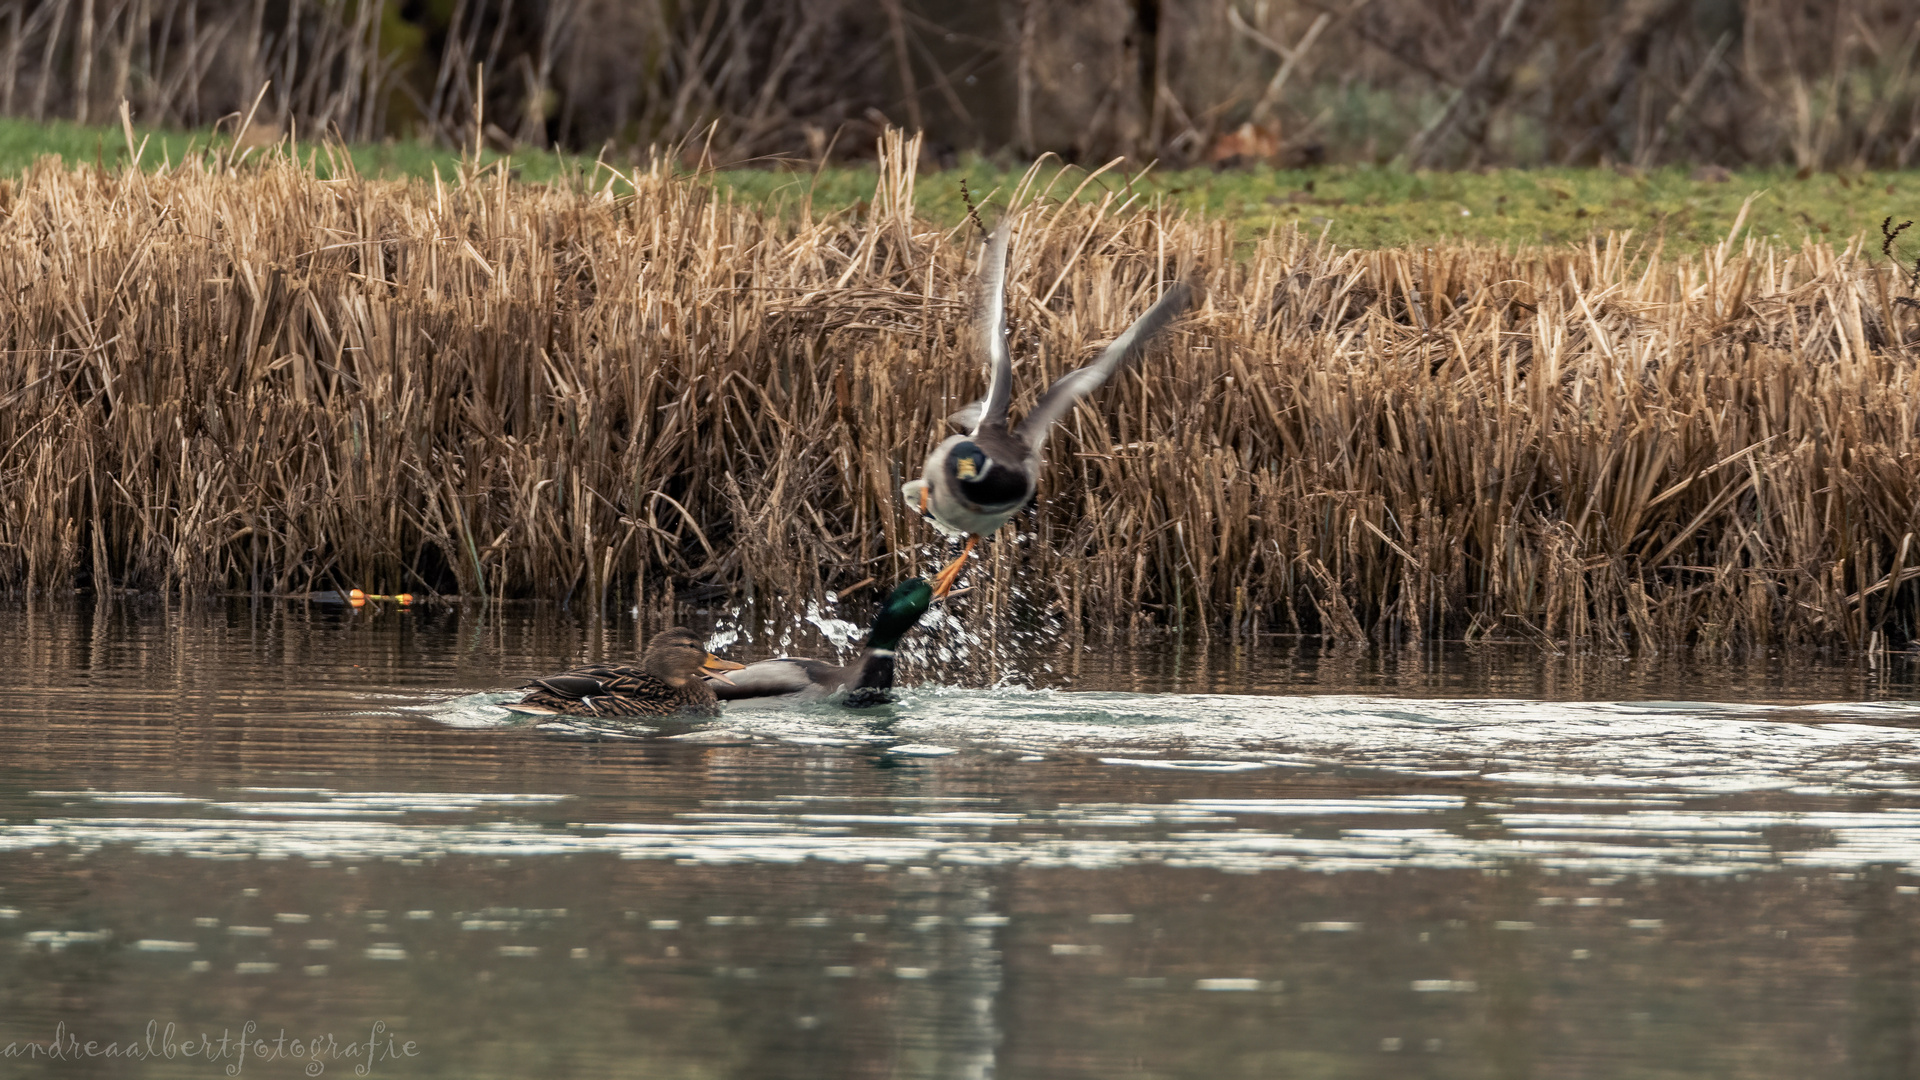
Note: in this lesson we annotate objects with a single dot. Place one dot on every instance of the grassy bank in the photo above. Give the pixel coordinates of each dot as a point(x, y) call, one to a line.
point(1364, 206)
point(1356, 206)
point(23, 143)
point(263, 380)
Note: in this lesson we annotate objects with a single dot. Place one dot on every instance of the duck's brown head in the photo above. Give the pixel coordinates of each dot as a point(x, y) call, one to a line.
point(678, 657)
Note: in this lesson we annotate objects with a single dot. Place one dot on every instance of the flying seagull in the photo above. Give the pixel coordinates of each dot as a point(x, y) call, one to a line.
point(972, 483)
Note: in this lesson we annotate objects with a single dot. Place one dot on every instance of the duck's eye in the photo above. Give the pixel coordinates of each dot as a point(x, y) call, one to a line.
point(966, 468)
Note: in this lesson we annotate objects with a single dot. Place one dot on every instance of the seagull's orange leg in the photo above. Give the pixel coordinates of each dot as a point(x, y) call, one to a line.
point(943, 582)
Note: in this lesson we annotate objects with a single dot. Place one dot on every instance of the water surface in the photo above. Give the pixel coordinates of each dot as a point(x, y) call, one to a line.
point(1160, 858)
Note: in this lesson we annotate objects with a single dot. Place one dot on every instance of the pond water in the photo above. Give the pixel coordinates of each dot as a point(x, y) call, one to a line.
point(1170, 858)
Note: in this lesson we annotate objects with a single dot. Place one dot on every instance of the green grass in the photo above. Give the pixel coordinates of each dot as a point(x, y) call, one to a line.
point(1364, 206)
point(22, 142)
point(1359, 206)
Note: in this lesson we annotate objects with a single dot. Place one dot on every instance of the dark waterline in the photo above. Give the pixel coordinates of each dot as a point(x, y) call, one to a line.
point(309, 819)
point(298, 646)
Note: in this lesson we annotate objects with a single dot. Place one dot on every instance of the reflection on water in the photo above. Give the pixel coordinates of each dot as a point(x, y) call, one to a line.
point(1156, 860)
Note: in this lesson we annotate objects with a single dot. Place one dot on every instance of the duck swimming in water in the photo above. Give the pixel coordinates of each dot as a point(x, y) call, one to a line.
point(865, 681)
point(972, 483)
point(671, 680)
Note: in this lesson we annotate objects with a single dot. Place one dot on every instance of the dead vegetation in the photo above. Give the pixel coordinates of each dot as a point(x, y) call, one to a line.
point(250, 379)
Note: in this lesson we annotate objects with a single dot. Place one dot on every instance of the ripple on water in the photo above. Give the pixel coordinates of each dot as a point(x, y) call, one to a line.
point(1639, 765)
point(1686, 746)
point(1441, 831)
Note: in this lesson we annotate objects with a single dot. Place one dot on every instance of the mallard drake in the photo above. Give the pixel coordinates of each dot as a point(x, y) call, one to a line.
point(672, 678)
point(972, 483)
point(865, 681)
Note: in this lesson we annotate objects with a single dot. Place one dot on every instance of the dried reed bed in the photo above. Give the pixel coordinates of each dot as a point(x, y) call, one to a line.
point(251, 379)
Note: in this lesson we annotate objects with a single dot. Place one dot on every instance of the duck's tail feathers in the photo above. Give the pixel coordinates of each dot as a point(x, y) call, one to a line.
point(1078, 383)
point(569, 685)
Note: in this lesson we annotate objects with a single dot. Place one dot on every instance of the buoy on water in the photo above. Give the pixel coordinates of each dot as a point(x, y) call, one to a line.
point(357, 598)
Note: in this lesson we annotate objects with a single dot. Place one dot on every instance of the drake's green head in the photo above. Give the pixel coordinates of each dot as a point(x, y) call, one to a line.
point(898, 615)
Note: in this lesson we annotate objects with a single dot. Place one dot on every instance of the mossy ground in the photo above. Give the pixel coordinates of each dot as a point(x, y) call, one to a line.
point(1364, 206)
point(1358, 206)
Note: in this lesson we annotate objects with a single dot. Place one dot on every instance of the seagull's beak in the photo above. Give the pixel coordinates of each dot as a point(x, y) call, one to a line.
point(714, 666)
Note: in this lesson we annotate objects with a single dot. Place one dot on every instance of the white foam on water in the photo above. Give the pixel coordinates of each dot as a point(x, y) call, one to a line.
point(1674, 746)
point(1697, 748)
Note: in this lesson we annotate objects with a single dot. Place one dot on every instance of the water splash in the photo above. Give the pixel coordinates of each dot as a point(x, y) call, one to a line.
point(842, 634)
point(814, 630)
point(975, 639)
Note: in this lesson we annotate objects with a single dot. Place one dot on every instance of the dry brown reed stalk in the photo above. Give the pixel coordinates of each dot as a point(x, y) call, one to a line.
point(256, 380)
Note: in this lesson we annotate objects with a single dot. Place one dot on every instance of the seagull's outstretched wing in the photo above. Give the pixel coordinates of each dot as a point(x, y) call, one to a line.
point(992, 409)
point(1080, 382)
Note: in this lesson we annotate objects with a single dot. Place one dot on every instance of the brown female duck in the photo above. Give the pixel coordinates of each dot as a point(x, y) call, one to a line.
point(671, 679)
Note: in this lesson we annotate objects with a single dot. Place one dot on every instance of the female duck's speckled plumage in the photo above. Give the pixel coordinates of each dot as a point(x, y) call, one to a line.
point(670, 680)
point(971, 484)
